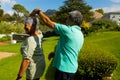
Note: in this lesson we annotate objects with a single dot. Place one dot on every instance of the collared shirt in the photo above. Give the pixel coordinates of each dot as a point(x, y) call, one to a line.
point(32, 49)
point(68, 48)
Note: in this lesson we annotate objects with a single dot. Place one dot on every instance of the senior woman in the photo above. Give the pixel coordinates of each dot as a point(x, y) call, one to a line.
point(33, 61)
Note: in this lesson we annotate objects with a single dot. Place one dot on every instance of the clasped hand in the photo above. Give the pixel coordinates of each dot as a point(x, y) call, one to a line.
point(35, 11)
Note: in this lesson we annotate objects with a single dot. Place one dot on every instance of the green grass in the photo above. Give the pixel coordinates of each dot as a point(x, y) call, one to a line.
point(15, 48)
point(109, 41)
point(9, 67)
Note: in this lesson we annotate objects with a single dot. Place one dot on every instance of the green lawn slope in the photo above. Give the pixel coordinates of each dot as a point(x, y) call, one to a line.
point(109, 41)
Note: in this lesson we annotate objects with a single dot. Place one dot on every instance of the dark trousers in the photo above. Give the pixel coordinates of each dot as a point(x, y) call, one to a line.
point(33, 79)
point(59, 75)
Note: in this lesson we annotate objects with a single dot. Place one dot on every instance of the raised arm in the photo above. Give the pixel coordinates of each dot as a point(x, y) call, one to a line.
point(44, 17)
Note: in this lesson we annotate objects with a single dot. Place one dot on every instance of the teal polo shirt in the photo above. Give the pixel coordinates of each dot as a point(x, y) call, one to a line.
point(68, 47)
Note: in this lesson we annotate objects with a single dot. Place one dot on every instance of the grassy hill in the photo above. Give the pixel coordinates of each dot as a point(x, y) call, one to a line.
point(9, 67)
point(109, 41)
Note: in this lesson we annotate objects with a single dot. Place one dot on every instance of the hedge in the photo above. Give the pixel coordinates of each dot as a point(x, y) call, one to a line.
point(95, 63)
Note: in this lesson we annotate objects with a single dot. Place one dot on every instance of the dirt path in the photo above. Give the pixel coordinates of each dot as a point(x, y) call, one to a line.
point(6, 54)
point(4, 43)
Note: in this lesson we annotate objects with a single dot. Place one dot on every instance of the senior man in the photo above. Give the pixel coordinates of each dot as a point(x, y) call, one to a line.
point(69, 45)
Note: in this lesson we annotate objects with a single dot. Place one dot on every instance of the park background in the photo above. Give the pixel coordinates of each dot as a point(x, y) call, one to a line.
point(101, 41)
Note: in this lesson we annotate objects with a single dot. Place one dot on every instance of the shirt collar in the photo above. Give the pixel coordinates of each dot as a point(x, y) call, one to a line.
point(77, 27)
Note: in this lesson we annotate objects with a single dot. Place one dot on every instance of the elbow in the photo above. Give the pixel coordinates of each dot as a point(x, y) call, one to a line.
point(26, 61)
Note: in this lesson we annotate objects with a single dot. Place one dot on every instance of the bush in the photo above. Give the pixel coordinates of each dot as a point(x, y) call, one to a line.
point(104, 24)
point(7, 28)
point(94, 63)
point(5, 38)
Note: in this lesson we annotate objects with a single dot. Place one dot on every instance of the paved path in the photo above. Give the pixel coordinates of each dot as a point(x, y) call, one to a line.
point(6, 54)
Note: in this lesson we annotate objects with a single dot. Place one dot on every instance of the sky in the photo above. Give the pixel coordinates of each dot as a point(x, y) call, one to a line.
point(106, 5)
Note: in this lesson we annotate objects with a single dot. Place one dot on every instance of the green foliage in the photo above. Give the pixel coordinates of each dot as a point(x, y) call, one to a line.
point(100, 11)
point(1, 12)
point(6, 17)
point(5, 38)
point(95, 63)
point(104, 24)
point(18, 10)
point(70, 5)
point(7, 28)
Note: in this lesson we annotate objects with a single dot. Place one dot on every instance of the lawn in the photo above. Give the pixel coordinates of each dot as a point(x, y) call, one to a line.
point(109, 41)
point(9, 67)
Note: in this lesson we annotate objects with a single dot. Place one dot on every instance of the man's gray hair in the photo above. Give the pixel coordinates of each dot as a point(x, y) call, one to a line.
point(33, 21)
point(76, 16)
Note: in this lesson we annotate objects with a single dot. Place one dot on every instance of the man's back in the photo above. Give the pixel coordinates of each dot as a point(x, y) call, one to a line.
point(69, 45)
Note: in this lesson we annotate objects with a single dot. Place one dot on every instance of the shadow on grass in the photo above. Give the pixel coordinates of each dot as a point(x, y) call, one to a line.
point(49, 75)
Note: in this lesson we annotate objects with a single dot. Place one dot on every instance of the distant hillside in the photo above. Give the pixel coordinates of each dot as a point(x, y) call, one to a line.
point(50, 12)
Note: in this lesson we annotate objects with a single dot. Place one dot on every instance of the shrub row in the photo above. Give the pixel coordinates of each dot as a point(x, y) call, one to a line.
point(95, 63)
point(5, 38)
point(7, 28)
point(102, 25)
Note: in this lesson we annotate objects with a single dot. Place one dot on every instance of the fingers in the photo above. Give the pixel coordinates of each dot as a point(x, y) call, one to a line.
point(51, 55)
point(35, 11)
point(32, 14)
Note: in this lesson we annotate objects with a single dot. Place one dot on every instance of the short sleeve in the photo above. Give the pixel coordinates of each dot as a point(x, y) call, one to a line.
point(27, 49)
point(61, 29)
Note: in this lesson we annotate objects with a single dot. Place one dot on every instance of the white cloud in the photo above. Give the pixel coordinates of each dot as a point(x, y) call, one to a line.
point(7, 5)
point(9, 2)
point(117, 1)
point(10, 12)
point(112, 8)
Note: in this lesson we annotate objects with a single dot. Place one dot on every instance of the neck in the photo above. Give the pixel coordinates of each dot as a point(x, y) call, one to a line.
point(35, 33)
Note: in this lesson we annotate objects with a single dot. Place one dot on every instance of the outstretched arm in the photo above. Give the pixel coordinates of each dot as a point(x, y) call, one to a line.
point(44, 17)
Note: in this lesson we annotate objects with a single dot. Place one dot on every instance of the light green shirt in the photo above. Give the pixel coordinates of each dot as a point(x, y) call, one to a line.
point(32, 49)
point(69, 45)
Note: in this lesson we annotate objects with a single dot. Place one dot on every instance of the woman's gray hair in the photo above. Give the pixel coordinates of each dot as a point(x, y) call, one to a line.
point(33, 21)
point(76, 16)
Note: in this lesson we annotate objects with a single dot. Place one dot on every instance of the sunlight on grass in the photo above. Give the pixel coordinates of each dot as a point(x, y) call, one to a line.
point(109, 41)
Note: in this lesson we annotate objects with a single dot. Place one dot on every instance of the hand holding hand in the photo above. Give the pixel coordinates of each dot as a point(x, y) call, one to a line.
point(35, 11)
point(19, 77)
point(51, 55)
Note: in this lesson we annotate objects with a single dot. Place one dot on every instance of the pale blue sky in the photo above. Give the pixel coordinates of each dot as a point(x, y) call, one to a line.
point(106, 5)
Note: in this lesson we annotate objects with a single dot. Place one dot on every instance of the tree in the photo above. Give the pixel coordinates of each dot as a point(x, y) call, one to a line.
point(19, 9)
point(1, 14)
point(70, 5)
point(7, 17)
point(100, 11)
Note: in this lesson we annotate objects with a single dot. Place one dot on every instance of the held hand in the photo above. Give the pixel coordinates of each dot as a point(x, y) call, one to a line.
point(51, 55)
point(18, 79)
point(35, 11)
